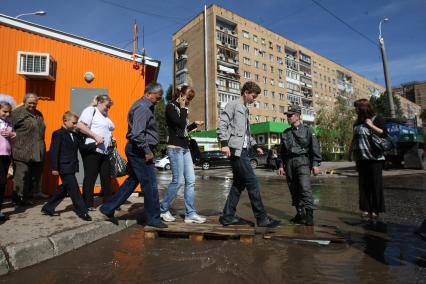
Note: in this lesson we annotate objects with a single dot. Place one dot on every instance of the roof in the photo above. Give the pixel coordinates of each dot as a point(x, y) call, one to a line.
point(256, 128)
point(77, 40)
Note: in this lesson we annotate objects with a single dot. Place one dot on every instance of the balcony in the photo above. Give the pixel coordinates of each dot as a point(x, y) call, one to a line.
point(184, 70)
point(181, 47)
point(230, 62)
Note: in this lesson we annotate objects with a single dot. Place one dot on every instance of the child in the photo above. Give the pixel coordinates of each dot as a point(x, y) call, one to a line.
point(6, 135)
point(63, 155)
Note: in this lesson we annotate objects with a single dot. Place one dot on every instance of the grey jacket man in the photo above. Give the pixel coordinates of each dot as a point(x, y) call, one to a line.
point(233, 127)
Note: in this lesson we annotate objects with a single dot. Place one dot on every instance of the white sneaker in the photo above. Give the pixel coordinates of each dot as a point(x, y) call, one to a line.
point(195, 218)
point(167, 217)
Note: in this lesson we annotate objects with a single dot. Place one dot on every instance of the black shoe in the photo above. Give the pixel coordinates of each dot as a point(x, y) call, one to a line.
point(50, 213)
point(85, 217)
point(300, 217)
point(268, 222)
point(235, 221)
point(107, 214)
point(309, 217)
point(159, 225)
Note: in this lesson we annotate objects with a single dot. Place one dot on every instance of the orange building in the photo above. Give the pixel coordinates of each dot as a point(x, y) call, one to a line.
point(66, 72)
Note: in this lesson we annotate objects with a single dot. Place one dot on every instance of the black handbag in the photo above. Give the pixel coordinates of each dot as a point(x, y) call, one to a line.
point(118, 164)
point(381, 144)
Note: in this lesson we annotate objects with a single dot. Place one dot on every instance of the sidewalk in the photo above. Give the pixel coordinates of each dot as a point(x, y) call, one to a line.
point(30, 237)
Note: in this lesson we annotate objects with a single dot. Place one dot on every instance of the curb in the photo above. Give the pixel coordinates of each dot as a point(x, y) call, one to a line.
point(17, 256)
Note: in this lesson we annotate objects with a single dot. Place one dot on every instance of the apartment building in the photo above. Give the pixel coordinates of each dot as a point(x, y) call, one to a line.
point(413, 91)
point(239, 50)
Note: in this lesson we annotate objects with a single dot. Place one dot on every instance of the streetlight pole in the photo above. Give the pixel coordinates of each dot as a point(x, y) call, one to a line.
point(37, 13)
point(386, 71)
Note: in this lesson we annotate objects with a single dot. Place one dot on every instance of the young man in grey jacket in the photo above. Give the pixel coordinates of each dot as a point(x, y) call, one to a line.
point(237, 143)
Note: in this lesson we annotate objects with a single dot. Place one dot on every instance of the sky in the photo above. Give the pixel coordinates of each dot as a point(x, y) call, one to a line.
point(351, 40)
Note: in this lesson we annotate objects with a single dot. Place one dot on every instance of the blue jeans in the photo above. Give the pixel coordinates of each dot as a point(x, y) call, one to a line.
point(140, 172)
point(244, 178)
point(182, 169)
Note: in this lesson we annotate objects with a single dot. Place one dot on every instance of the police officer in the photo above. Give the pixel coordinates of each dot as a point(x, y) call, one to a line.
point(300, 152)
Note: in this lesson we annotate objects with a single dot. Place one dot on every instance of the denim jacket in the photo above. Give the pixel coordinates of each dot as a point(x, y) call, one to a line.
point(234, 120)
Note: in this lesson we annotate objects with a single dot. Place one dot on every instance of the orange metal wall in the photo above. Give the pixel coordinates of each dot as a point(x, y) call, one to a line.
point(125, 84)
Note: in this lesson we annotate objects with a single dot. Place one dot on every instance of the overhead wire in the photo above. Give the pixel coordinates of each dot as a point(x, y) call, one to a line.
point(345, 23)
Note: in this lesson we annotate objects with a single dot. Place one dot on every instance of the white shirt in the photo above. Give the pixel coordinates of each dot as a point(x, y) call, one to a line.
point(99, 124)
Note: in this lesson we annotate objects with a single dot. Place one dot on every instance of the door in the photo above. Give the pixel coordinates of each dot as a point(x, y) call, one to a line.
point(80, 99)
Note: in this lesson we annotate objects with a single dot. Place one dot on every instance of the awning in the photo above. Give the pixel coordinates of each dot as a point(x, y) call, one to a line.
point(226, 69)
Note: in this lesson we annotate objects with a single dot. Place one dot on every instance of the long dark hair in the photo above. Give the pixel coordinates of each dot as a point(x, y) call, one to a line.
point(364, 110)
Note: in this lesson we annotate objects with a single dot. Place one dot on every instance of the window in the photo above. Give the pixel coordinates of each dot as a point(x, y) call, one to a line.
point(273, 94)
point(292, 99)
point(279, 60)
point(280, 72)
point(246, 47)
point(246, 74)
point(271, 57)
point(272, 82)
point(255, 38)
point(279, 48)
point(265, 106)
point(292, 74)
point(263, 41)
point(272, 69)
point(281, 96)
point(264, 79)
point(280, 84)
point(264, 66)
point(181, 78)
point(246, 60)
point(234, 85)
point(256, 77)
point(282, 109)
point(256, 64)
point(293, 87)
point(270, 45)
point(246, 34)
point(273, 107)
point(265, 93)
point(226, 38)
point(256, 51)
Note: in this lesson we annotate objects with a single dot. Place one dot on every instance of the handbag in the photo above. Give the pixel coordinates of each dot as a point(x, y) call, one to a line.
point(381, 144)
point(118, 164)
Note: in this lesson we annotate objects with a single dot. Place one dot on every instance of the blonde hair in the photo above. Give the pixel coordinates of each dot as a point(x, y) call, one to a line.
point(100, 99)
point(68, 115)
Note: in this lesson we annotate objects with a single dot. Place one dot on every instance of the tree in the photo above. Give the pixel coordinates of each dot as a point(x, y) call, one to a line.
point(423, 115)
point(381, 106)
point(160, 115)
point(335, 127)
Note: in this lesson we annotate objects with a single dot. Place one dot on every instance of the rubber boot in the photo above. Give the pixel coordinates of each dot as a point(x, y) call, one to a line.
point(300, 216)
point(309, 221)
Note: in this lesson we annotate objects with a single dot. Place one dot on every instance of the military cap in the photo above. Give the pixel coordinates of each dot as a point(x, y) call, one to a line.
point(292, 109)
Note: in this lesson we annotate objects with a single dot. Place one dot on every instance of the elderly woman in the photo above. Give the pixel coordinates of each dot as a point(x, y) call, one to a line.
point(97, 126)
point(28, 151)
point(369, 162)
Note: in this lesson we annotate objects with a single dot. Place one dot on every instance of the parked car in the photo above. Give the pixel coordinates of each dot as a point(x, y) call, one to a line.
point(163, 163)
point(211, 159)
point(259, 160)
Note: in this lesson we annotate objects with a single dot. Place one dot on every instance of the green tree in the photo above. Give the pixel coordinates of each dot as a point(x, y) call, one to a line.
point(423, 115)
point(335, 127)
point(381, 106)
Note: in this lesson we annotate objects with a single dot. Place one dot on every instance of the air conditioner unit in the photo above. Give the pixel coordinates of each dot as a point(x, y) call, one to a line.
point(36, 65)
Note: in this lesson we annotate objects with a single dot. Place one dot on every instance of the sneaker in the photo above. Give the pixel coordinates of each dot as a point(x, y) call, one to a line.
point(195, 218)
point(167, 217)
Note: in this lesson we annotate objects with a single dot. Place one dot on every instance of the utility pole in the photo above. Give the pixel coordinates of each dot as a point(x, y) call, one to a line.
point(386, 71)
point(206, 75)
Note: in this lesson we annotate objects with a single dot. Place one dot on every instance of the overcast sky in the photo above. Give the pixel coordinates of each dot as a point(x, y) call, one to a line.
point(303, 21)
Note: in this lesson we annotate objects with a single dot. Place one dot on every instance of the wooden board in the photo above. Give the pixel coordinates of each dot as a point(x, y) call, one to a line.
point(295, 232)
point(211, 229)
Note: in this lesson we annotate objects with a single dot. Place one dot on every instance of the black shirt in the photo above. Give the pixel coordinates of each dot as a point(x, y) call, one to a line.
point(177, 124)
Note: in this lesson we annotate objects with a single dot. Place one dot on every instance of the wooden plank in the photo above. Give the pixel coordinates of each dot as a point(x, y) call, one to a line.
point(304, 233)
point(196, 237)
point(151, 235)
point(247, 239)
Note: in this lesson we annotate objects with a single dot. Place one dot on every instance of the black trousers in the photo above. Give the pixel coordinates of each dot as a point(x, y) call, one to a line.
point(70, 186)
point(244, 178)
point(94, 164)
point(26, 178)
point(4, 167)
point(298, 174)
point(370, 178)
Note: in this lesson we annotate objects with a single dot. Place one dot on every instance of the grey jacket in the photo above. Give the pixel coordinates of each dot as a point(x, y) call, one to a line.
point(142, 127)
point(234, 120)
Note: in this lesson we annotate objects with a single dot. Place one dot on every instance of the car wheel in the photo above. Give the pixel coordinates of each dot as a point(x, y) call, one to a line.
point(205, 165)
point(253, 163)
point(167, 167)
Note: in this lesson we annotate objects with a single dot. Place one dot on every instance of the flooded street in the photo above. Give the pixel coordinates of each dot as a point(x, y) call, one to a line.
point(385, 252)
